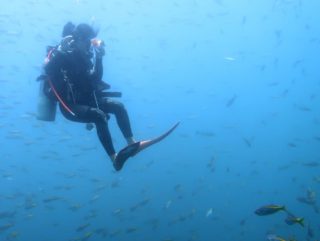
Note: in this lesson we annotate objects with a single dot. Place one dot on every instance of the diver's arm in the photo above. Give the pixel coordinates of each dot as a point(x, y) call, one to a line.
point(98, 83)
point(98, 71)
point(98, 68)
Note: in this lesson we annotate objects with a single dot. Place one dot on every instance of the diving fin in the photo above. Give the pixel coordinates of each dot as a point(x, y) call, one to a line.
point(133, 149)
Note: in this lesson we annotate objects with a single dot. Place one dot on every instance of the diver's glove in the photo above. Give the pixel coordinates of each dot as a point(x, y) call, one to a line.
point(98, 46)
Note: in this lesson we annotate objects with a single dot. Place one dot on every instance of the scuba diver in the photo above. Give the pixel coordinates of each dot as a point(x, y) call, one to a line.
point(73, 71)
point(73, 78)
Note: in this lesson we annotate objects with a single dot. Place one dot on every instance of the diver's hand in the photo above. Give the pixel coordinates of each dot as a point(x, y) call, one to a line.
point(98, 47)
point(100, 52)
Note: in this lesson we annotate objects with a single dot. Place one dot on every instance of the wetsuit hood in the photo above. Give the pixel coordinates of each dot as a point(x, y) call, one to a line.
point(84, 32)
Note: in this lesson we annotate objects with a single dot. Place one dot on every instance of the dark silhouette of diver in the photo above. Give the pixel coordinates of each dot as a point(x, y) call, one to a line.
point(74, 70)
point(73, 77)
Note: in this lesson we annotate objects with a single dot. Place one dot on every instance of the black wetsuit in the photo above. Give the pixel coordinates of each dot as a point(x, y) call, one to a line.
point(75, 80)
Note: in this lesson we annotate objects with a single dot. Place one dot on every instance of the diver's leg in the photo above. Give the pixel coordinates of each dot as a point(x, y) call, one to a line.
point(122, 117)
point(86, 114)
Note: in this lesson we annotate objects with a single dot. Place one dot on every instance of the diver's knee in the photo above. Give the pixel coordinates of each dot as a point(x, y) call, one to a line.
point(98, 114)
point(121, 108)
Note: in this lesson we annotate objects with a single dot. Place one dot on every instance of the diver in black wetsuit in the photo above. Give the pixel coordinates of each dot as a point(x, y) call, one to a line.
point(74, 71)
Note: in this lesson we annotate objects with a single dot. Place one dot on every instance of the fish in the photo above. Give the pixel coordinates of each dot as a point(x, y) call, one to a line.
point(205, 133)
point(304, 108)
point(317, 138)
point(82, 227)
point(244, 20)
point(242, 222)
point(75, 207)
point(231, 101)
point(269, 209)
point(87, 235)
point(140, 204)
point(230, 58)
point(117, 211)
point(311, 195)
point(168, 204)
point(291, 219)
point(311, 164)
point(131, 230)
point(211, 164)
point(103, 232)
point(209, 212)
point(13, 235)
point(305, 200)
point(273, 237)
point(291, 144)
point(316, 208)
point(95, 198)
point(247, 141)
point(5, 227)
point(317, 179)
point(51, 199)
point(7, 214)
point(310, 232)
point(115, 233)
point(297, 62)
point(273, 84)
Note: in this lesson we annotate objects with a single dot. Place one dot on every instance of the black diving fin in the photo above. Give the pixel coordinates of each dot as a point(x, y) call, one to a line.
point(133, 149)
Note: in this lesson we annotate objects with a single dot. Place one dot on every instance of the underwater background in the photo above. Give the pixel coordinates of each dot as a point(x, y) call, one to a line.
point(242, 77)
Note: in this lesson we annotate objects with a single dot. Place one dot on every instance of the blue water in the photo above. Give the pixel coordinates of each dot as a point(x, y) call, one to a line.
point(243, 79)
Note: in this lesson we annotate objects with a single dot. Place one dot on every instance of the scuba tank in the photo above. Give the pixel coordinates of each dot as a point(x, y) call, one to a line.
point(48, 95)
point(46, 107)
